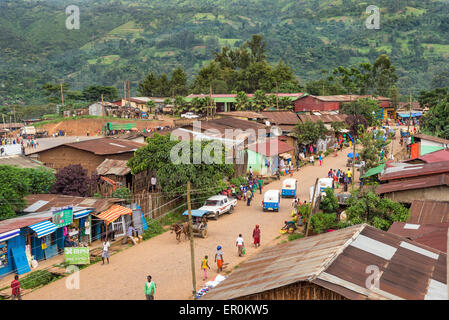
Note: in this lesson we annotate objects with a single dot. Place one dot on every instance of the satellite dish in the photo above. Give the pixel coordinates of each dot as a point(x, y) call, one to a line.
point(276, 131)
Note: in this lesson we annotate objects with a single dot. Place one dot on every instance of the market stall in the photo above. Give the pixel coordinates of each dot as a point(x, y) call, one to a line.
point(118, 217)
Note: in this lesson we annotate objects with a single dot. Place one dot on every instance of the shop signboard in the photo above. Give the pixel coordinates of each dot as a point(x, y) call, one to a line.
point(77, 255)
point(63, 217)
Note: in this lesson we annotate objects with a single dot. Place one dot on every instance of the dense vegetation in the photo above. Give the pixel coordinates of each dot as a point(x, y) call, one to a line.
point(127, 40)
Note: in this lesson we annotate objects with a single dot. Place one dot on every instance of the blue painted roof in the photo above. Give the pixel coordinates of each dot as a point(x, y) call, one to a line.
point(43, 228)
point(196, 213)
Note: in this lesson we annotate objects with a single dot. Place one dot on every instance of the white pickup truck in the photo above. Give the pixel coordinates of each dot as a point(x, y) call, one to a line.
point(218, 205)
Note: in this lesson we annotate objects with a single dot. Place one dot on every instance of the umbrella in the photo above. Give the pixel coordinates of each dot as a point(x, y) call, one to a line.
point(350, 155)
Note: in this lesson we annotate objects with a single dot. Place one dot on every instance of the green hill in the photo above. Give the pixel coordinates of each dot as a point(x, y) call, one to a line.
point(120, 40)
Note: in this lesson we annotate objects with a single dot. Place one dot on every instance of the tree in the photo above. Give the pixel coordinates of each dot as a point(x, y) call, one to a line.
point(93, 93)
point(180, 105)
point(122, 193)
point(329, 203)
point(366, 206)
point(259, 102)
point(148, 86)
point(178, 82)
point(383, 75)
point(242, 101)
point(151, 105)
point(39, 180)
point(436, 120)
point(337, 126)
point(309, 132)
point(73, 180)
point(368, 108)
point(13, 189)
point(173, 177)
point(372, 148)
point(257, 47)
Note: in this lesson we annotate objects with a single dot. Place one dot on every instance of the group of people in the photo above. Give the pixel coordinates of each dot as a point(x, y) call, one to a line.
point(340, 177)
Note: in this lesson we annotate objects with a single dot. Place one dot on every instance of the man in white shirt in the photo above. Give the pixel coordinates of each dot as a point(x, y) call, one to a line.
point(105, 253)
point(153, 183)
point(240, 244)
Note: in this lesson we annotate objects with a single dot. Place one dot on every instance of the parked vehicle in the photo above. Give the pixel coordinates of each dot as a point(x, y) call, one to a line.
point(289, 187)
point(189, 115)
point(28, 131)
point(271, 200)
point(217, 205)
point(323, 183)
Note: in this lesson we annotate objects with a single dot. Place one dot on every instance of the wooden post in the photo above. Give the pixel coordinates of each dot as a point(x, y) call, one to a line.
point(192, 248)
point(62, 96)
point(311, 206)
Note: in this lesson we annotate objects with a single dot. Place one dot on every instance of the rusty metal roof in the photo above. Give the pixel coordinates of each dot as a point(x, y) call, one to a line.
point(431, 235)
point(338, 261)
point(429, 212)
point(413, 183)
point(326, 118)
point(113, 167)
point(49, 201)
point(105, 146)
point(281, 117)
point(243, 114)
point(414, 170)
point(348, 98)
point(431, 138)
point(270, 147)
point(19, 222)
point(436, 156)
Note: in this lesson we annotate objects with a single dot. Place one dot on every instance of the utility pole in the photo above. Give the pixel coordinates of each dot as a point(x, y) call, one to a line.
point(410, 112)
point(211, 103)
point(353, 149)
point(311, 206)
point(192, 248)
point(102, 111)
point(124, 92)
point(62, 95)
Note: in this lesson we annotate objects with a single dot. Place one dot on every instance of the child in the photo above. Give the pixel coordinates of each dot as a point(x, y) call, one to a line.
point(205, 266)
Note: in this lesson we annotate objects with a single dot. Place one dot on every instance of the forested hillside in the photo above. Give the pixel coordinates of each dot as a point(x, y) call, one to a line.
point(120, 40)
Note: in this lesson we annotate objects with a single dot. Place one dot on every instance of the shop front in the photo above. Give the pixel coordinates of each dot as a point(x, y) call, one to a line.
point(43, 239)
point(80, 229)
point(115, 221)
point(12, 253)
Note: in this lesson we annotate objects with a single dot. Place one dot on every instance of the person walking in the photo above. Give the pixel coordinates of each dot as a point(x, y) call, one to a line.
point(15, 287)
point(248, 197)
point(105, 254)
point(349, 174)
point(312, 160)
point(153, 183)
point(150, 288)
point(260, 183)
point(240, 245)
point(204, 267)
point(321, 160)
point(256, 236)
point(219, 259)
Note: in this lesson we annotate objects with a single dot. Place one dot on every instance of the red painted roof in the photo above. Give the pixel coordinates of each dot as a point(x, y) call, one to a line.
point(268, 147)
point(104, 146)
point(429, 212)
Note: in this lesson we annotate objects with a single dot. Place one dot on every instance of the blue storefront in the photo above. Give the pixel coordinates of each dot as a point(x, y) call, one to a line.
point(44, 240)
point(12, 253)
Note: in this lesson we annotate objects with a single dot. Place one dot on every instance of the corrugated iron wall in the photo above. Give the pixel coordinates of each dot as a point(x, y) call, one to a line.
point(296, 291)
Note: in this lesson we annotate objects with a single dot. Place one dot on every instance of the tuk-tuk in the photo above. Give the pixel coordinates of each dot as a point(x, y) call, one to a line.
point(271, 200)
point(199, 223)
point(289, 187)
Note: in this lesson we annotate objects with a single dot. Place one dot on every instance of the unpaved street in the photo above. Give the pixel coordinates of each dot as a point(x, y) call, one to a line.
point(169, 262)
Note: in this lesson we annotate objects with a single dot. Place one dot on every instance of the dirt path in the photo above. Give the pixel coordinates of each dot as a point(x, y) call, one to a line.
point(169, 262)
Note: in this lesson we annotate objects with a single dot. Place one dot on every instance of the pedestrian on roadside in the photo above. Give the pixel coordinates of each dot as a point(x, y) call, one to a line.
point(321, 160)
point(15, 286)
point(150, 289)
point(105, 254)
point(240, 245)
point(349, 174)
point(260, 183)
point(312, 160)
point(153, 183)
point(291, 169)
point(256, 236)
point(204, 267)
point(248, 197)
point(219, 259)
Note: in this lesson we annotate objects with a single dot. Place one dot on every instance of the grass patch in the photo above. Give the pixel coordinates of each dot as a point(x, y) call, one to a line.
point(295, 236)
point(284, 241)
point(278, 237)
point(173, 217)
point(37, 278)
point(155, 228)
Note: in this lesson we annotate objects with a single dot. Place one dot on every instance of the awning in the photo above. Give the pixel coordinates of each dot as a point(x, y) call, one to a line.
point(285, 155)
point(81, 214)
point(373, 171)
point(43, 228)
point(114, 212)
point(10, 234)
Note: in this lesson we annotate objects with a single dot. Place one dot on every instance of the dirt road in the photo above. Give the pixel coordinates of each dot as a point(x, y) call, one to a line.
point(169, 262)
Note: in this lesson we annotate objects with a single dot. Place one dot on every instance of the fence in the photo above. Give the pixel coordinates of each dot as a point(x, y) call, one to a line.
point(155, 204)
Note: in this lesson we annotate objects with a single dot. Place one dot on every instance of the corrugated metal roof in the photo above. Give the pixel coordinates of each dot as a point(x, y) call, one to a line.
point(414, 183)
point(436, 156)
point(339, 261)
point(428, 212)
point(20, 161)
point(281, 117)
point(414, 170)
point(270, 147)
point(105, 146)
point(57, 201)
point(348, 98)
point(431, 138)
point(113, 167)
point(19, 222)
point(326, 118)
point(431, 235)
point(243, 114)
